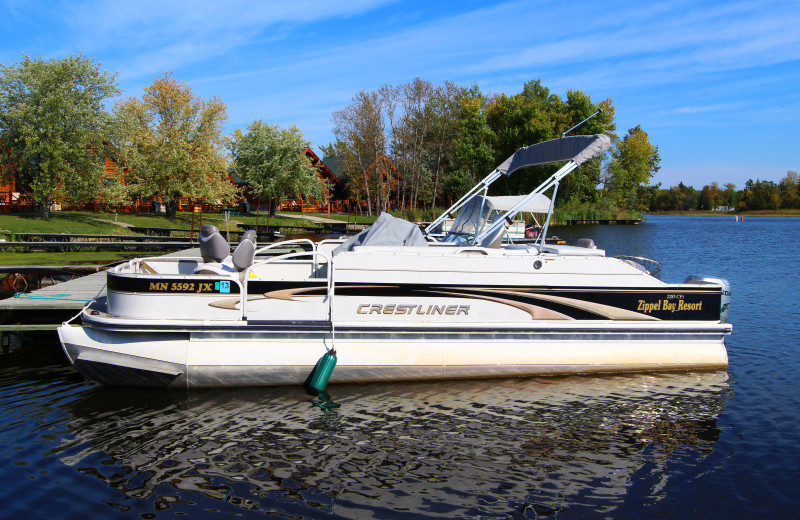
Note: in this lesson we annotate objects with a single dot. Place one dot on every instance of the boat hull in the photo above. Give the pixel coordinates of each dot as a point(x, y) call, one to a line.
point(220, 356)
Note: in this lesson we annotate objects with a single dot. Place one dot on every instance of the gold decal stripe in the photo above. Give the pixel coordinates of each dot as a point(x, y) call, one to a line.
point(536, 312)
point(607, 311)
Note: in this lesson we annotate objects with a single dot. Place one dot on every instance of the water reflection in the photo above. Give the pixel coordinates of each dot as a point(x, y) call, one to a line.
point(515, 448)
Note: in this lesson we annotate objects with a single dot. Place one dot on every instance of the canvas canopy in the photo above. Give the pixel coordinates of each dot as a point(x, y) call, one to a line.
point(541, 204)
point(386, 231)
point(579, 148)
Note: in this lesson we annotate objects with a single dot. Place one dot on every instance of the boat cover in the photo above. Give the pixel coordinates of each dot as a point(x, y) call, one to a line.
point(578, 148)
point(386, 231)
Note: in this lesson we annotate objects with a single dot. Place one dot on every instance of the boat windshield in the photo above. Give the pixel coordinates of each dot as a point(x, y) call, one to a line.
point(471, 219)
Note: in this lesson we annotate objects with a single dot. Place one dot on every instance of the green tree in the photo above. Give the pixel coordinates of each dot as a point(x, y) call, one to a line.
point(115, 192)
point(730, 196)
point(536, 115)
point(53, 125)
point(473, 155)
point(581, 185)
point(171, 144)
point(272, 162)
point(760, 195)
point(710, 196)
point(790, 190)
point(634, 160)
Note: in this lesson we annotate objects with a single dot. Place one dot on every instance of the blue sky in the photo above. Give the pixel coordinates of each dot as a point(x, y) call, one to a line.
point(715, 84)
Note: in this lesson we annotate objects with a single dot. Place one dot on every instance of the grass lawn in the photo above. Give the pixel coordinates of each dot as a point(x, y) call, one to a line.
point(67, 222)
point(183, 220)
point(250, 219)
point(180, 221)
point(96, 223)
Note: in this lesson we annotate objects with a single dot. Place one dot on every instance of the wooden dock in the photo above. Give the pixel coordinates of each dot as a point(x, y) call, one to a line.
point(48, 307)
point(63, 237)
point(63, 246)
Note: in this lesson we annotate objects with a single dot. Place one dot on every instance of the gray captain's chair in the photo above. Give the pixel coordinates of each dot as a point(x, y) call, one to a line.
point(213, 246)
point(496, 238)
point(245, 252)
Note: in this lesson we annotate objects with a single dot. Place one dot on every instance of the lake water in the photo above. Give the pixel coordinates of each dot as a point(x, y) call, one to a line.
point(673, 445)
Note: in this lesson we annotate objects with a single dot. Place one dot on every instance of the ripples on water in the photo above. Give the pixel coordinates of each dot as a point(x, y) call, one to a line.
point(514, 448)
point(700, 444)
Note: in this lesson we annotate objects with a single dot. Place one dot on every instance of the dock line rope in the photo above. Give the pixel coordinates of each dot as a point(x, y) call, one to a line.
point(87, 304)
point(50, 297)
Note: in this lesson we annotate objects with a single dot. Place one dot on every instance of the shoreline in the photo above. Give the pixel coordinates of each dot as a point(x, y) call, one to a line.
point(703, 213)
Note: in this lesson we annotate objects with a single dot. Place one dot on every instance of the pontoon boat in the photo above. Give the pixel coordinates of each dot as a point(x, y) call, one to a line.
point(397, 305)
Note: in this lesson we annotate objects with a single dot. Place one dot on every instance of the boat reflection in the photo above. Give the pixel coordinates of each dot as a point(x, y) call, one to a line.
point(462, 448)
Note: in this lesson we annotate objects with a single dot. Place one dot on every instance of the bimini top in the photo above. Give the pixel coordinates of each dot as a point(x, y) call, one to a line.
point(472, 224)
point(578, 148)
point(541, 204)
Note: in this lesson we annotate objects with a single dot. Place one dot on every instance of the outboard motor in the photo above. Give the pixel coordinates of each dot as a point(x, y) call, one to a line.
point(725, 302)
point(213, 246)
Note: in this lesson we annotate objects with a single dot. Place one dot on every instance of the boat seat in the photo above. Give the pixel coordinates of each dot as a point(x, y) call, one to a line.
point(216, 268)
point(213, 246)
point(588, 243)
point(245, 252)
point(495, 239)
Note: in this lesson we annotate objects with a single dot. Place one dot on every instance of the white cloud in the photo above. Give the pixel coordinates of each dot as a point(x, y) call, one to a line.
point(694, 66)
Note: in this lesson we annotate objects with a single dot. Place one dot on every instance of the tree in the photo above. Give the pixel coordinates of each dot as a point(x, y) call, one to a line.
point(634, 161)
point(581, 185)
point(171, 144)
point(730, 196)
point(473, 155)
point(53, 125)
point(535, 115)
point(361, 142)
point(760, 195)
point(790, 190)
point(442, 139)
point(272, 162)
point(115, 192)
point(710, 196)
point(410, 140)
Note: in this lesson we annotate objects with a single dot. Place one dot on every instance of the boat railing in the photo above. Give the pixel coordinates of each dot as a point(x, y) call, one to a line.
point(328, 260)
point(296, 241)
point(284, 243)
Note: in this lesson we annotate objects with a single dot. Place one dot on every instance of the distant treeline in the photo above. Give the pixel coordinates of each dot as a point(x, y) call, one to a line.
point(756, 195)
